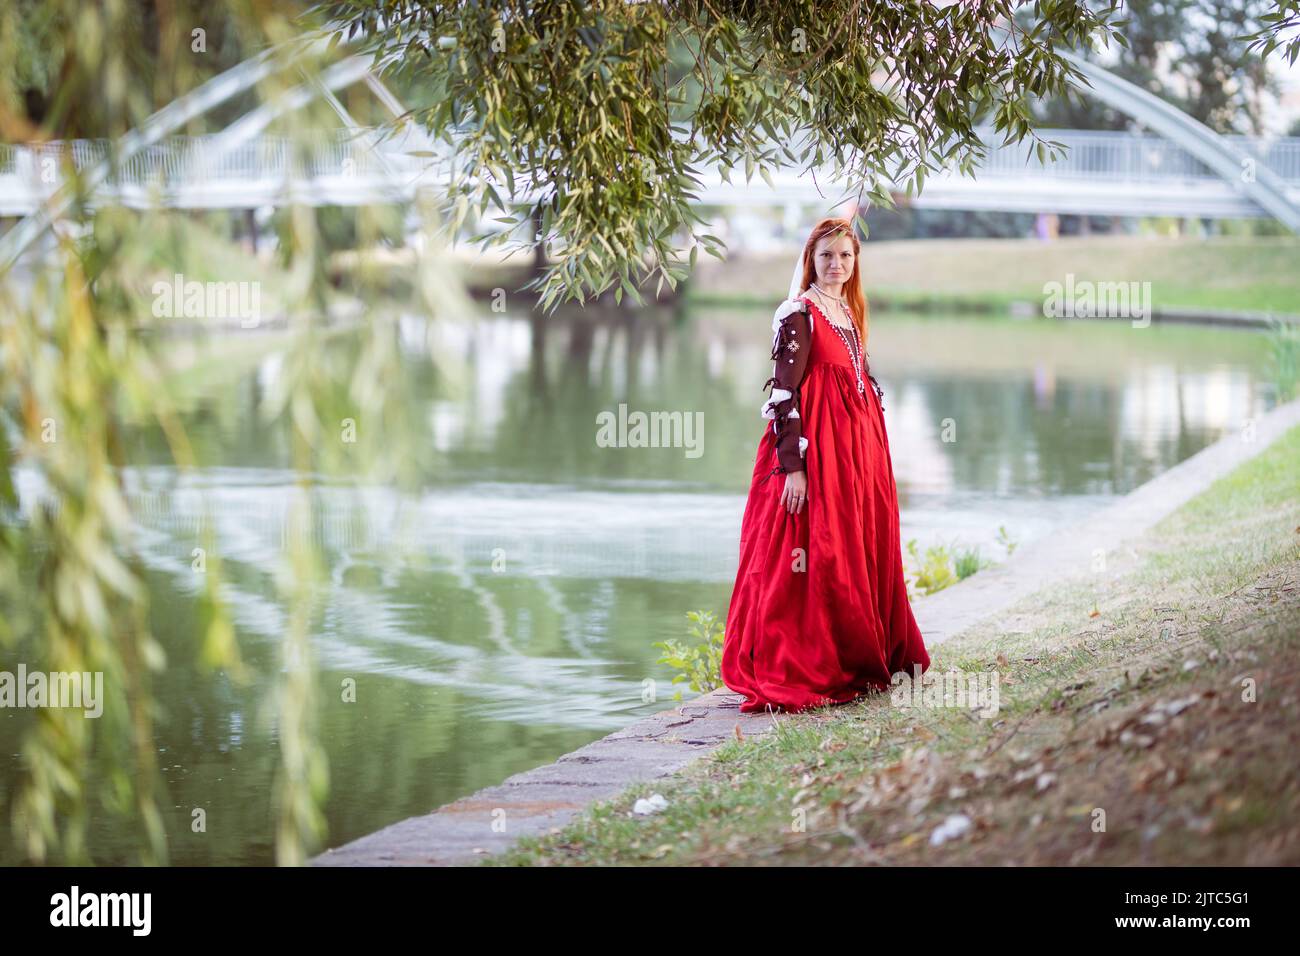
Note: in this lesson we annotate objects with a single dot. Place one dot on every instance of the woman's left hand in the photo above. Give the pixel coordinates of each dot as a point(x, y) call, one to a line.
point(795, 495)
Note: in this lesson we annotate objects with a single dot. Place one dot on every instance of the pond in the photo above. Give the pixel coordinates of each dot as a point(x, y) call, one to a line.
point(505, 613)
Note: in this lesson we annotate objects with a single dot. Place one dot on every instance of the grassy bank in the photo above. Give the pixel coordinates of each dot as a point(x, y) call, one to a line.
point(1249, 274)
point(1147, 715)
point(200, 249)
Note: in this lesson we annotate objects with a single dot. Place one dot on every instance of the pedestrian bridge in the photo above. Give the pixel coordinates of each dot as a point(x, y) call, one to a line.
point(1185, 169)
point(1102, 173)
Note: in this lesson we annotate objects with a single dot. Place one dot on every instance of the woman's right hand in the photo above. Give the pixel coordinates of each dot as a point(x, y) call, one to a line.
point(795, 495)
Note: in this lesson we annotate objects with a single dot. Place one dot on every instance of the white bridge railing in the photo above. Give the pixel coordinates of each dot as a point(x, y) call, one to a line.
point(1136, 157)
point(1106, 172)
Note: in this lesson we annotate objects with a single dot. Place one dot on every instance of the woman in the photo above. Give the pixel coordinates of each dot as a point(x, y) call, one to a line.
point(819, 613)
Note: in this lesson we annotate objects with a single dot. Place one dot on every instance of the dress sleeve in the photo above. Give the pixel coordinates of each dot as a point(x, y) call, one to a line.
point(790, 348)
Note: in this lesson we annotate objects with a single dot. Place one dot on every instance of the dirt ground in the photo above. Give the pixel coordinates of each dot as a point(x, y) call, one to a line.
point(1184, 753)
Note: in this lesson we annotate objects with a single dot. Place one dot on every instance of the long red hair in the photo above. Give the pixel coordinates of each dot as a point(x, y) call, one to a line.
point(852, 290)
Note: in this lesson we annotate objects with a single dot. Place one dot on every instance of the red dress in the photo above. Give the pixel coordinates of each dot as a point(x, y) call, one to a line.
point(819, 612)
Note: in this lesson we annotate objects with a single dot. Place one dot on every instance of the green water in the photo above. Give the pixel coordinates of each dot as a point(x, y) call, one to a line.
point(504, 613)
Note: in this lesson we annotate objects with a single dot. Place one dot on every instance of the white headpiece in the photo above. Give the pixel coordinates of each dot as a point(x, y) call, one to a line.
point(796, 277)
point(791, 304)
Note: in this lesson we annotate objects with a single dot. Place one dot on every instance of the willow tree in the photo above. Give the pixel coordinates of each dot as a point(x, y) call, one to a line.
point(586, 126)
point(77, 364)
point(1279, 31)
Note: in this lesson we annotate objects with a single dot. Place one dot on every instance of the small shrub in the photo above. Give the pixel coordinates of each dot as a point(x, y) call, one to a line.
point(967, 562)
point(1005, 539)
point(700, 664)
point(933, 572)
point(1284, 348)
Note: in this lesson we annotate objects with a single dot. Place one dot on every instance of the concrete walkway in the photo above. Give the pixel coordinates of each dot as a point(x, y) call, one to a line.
point(532, 803)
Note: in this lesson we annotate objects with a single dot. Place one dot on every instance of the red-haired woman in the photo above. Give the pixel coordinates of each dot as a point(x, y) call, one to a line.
point(819, 613)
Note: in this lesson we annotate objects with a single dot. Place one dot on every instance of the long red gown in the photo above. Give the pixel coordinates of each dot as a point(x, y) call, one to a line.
point(836, 624)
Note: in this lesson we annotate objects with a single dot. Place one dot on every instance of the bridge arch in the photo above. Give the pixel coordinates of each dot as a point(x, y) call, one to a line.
point(1240, 170)
point(1237, 168)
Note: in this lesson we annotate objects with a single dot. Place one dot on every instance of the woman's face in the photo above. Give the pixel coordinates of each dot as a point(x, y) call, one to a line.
point(833, 259)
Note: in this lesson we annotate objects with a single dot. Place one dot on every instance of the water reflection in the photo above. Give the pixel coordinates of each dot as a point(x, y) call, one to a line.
point(505, 613)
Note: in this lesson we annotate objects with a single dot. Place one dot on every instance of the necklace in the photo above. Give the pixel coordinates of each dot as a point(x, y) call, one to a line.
point(854, 347)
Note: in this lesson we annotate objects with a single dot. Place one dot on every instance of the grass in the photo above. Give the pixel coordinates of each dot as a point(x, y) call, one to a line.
point(1226, 273)
point(1148, 715)
point(197, 248)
